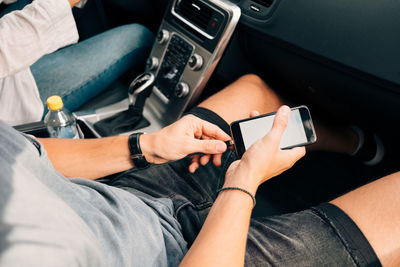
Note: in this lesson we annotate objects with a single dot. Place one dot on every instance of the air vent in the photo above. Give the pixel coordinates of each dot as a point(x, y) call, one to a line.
point(195, 11)
point(266, 3)
point(202, 17)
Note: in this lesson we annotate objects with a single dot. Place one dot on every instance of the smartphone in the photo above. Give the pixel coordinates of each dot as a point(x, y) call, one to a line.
point(299, 131)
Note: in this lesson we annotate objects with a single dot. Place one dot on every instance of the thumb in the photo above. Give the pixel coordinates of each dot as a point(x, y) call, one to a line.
point(206, 146)
point(280, 122)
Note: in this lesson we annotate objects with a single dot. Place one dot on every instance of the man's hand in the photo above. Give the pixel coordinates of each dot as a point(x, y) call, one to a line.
point(187, 136)
point(73, 2)
point(264, 159)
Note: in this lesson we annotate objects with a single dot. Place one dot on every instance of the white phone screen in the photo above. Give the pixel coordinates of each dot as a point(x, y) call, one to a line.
point(253, 130)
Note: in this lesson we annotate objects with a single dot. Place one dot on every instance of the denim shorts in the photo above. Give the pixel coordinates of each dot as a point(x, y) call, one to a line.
point(319, 236)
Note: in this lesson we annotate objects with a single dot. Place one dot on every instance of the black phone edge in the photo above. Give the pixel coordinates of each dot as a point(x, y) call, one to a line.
point(237, 138)
point(310, 132)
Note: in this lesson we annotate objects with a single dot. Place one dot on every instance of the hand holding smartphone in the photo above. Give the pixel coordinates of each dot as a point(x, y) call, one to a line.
point(299, 131)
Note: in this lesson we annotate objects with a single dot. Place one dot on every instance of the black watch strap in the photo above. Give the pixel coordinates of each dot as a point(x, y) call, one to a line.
point(136, 152)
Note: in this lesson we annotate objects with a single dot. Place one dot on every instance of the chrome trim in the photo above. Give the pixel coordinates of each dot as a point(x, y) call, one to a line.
point(91, 128)
point(196, 6)
point(160, 95)
point(191, 24)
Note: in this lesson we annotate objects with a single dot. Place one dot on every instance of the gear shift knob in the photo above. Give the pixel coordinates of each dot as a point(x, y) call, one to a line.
point(132, 118)
point(140, 89)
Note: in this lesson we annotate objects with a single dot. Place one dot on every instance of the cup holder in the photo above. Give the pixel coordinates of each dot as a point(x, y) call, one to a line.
point(38, 129)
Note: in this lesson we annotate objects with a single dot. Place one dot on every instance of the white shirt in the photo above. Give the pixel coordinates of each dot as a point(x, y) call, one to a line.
point(25, 36)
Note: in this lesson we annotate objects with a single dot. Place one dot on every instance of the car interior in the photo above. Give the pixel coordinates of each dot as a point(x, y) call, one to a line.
point(339, 58)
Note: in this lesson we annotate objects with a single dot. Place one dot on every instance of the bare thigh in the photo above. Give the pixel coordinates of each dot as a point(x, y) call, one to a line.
point(246, 94)
point(375, 208)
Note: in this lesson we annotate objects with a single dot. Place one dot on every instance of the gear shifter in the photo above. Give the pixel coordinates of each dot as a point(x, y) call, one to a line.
point(131, 119)
point(140, 89)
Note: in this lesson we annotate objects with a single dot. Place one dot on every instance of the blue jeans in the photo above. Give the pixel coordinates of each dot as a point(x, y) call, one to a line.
point(81, 71)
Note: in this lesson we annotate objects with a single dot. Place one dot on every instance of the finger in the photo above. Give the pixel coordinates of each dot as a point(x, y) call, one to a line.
point(205, 159)
point(299, 152)
point(280, 123)
point(214, 131)
point(205, 146)
point(193, 167)
point(295, 153)
point(254, 113)
point(195, 158)
point(217, 159)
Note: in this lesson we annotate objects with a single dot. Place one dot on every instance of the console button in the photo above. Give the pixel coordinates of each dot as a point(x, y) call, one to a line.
point(181, 90)
point(152, 63)
point(162, 36)
point(195, 62)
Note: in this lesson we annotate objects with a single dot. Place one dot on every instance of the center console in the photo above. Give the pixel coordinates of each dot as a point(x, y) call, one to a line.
point(188, 46)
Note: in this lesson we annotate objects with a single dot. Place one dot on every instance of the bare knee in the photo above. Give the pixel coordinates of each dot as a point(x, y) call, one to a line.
point(252, 79)
point(259, 90)
point(238, 99)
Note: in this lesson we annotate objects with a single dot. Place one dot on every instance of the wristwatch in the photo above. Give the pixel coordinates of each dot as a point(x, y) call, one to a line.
point(136, 152)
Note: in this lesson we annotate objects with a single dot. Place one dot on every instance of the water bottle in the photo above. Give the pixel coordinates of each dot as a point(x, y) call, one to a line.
point(59, 121)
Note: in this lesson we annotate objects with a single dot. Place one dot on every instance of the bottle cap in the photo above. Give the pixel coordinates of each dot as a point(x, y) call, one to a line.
point(54, 103)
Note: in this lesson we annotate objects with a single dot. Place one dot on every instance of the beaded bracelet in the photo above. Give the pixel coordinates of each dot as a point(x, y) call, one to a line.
point(240, 189)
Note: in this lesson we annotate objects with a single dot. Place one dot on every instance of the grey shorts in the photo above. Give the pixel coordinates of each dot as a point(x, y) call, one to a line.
point(320, 236)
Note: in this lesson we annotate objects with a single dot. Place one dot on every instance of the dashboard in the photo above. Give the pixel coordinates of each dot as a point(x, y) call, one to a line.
point(340, 56)
point(359, 34)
